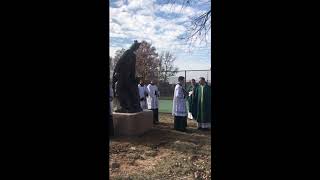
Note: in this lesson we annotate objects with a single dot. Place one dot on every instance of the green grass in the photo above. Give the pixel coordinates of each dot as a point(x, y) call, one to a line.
point(165, 106)
point(166, 98)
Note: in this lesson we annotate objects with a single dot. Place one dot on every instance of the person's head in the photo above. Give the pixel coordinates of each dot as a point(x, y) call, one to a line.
point(181, 79)
point(202, 81)
point(153, 82)
point(141, 81)
point(193, 82)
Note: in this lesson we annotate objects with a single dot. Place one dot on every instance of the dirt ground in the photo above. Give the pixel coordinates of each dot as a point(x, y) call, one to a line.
point(162, 153)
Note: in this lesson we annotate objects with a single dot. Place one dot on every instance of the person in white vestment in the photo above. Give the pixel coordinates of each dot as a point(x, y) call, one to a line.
point(153, 100)
point(111, 128)
point(191, 89)
point(179, 106)
point(143, 93)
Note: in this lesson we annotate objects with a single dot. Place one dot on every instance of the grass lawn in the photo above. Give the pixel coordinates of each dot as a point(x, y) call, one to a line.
point(166, 98)
point(165, 106)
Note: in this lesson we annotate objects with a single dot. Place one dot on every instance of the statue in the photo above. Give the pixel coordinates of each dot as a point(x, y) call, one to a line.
point(124, 83)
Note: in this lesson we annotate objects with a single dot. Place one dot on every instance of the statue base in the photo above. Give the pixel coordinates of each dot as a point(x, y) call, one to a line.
point(132, 124)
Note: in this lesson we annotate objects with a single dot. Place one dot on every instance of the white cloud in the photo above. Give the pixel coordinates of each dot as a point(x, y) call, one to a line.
point(193, 63)
point(137, 20)
point(112, 51)
point(176, 9)
point(119, 3)
point(136, 4)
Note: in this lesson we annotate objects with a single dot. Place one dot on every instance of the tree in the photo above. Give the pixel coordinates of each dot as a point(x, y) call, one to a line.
point(167, 68)
point(117, 56)
point(200, 25)
point(147, 63)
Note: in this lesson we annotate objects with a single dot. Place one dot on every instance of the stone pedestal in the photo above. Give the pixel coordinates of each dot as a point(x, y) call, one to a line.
point(132, 124)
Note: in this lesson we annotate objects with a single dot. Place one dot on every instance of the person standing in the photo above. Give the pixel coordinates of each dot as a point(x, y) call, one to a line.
point(111, 128)
point(191, 90)
point(179, 107)
point(153, 101)
point(201, 105)
point(143, 93)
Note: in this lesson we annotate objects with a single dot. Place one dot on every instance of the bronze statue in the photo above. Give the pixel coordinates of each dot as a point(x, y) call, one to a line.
point(124, 81)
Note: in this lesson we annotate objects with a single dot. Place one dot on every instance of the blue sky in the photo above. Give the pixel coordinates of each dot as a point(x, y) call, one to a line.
point(162, 25)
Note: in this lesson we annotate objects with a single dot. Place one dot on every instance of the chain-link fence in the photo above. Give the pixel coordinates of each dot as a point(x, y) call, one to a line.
point(167, 88)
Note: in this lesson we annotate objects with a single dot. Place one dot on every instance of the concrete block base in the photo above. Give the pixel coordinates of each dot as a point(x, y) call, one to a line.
point(132, 124)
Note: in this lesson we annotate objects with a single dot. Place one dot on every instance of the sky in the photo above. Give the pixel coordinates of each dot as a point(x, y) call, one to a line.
point(160, 24)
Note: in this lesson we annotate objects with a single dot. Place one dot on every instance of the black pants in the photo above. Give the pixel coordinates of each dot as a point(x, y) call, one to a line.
point(111, 128)
point(155, 115)
point(180, 123)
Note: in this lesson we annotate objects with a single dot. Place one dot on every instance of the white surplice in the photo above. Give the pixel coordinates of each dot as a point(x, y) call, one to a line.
point(142, 91)
point(179, 106)
point(153, 95)
point(110, 99)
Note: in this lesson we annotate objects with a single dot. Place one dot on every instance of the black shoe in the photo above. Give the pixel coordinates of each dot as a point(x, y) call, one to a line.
point(181, 130)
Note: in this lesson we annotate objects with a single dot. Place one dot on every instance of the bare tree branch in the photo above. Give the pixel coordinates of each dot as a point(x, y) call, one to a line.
point(167, 68)
point(200, 25)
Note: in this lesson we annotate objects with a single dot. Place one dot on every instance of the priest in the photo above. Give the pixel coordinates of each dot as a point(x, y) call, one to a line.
point(191, 90)
point(153, 100)
point(201, 105)
point(179, 106)
point(143, 93)
point(111, 128)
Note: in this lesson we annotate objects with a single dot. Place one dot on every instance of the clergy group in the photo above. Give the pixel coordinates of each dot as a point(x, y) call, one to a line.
point(198, 97)
point(191, 103)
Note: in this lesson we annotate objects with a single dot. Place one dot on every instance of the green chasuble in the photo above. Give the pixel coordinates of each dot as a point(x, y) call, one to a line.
point(201, 104)
point(190, 98)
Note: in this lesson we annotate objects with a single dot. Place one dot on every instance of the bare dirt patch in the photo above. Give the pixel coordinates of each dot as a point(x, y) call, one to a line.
point(162, 153)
